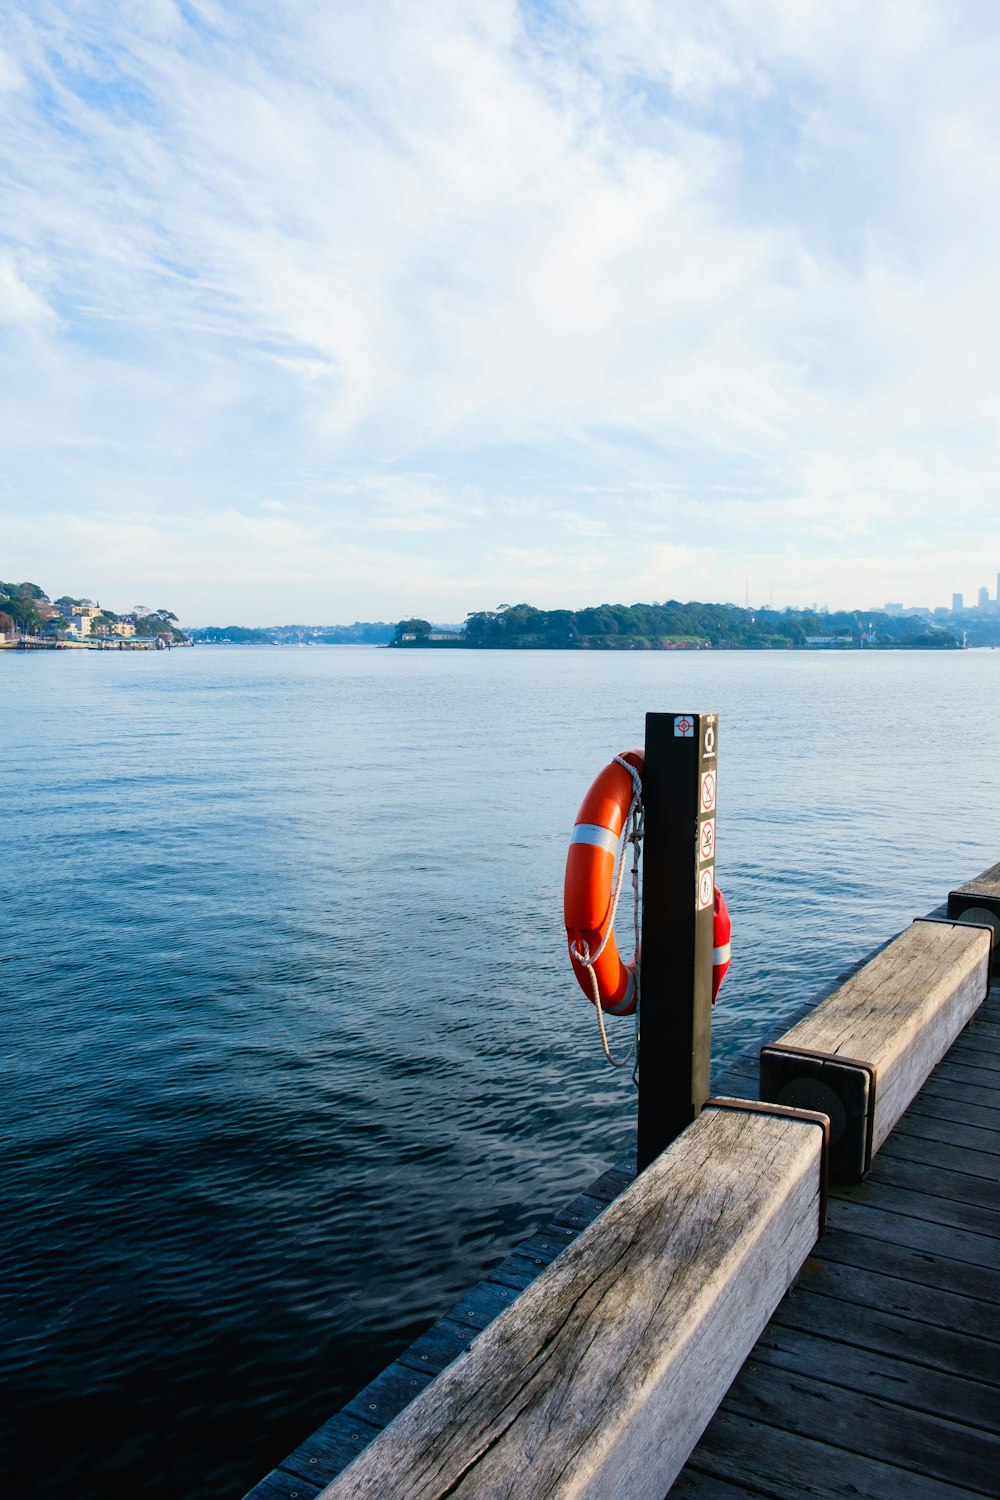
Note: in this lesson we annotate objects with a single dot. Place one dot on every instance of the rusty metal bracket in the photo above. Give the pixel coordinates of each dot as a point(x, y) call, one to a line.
point(984, 902)
point(841, 1087)
point(788, 1112)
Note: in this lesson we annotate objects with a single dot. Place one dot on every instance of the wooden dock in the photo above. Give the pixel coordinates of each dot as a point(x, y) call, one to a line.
point(878, 1373)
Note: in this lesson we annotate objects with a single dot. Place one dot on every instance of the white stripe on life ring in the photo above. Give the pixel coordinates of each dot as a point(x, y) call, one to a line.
point(625, 1001)
point(722, 955)
point(593, 833)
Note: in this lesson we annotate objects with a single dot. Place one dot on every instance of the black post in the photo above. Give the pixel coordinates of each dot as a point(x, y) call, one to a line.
point(678, 884)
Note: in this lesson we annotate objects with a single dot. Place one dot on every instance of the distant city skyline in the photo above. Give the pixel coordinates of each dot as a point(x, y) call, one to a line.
point(337, 313)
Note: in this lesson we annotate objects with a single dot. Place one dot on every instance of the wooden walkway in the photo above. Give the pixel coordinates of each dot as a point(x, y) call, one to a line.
point(879, 1374)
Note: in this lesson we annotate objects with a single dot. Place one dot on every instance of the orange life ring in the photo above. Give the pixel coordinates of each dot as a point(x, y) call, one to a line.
point(722, 950)
point(590, 867)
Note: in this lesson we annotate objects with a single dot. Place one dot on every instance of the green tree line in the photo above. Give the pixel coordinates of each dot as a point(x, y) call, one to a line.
point(672, 624)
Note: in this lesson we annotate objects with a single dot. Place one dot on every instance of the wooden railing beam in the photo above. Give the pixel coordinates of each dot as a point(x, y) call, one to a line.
point(863, 1054)
point(601, 1377)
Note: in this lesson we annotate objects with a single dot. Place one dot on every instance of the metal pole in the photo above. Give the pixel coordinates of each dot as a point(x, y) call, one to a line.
point(678, 882)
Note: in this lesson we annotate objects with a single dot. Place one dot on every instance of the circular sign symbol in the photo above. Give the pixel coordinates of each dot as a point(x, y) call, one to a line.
point(708, 791)
point(706, 888)
point(707, 842)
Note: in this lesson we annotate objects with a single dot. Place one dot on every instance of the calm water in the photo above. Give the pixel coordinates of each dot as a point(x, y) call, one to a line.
point(291, 1049)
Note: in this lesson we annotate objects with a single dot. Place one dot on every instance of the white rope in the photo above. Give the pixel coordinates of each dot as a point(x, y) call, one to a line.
point(632, 832)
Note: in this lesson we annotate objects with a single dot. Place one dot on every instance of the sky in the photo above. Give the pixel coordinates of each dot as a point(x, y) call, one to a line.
point(318, 311)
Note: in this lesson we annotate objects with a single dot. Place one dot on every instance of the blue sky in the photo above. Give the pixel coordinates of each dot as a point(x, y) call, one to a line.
point(322, 311)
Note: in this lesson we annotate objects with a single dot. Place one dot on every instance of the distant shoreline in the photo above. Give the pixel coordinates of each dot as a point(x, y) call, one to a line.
point(626, 645)
point(632, 644)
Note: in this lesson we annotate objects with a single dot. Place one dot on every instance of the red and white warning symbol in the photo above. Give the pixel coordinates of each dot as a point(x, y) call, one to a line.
point(706, 887)
point(684, 727)
point(708, 792)
point(706, 839)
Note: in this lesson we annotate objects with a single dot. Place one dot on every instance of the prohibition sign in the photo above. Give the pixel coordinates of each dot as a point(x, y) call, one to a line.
point(706, 838)
point(706, 888)
point(708, 791)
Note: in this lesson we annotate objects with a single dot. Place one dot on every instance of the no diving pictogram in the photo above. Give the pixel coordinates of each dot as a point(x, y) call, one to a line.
point(708, 791)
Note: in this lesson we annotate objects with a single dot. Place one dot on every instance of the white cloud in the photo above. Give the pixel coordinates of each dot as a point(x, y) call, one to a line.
point(21, 305)
point(478, 278)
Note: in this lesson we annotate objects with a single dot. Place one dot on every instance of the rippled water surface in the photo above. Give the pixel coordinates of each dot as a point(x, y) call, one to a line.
point(291, 1049)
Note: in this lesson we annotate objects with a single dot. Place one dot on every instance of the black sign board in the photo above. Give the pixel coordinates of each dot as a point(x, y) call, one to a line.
point(680, 792)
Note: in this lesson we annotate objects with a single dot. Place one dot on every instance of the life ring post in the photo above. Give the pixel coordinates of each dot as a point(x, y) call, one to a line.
point(680, 787)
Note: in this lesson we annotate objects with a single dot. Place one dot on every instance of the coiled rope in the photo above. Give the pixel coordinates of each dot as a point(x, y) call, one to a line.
point(632, 832)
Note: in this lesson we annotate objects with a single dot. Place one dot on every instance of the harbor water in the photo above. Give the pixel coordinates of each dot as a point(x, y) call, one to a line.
point(291, 1049)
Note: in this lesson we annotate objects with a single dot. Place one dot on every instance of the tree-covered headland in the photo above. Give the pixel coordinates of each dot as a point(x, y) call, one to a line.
point(33, 613)
point(676, 626)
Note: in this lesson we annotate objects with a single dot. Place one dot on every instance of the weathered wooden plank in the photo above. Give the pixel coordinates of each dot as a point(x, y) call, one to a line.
point(880, 1221)
point(986, 1048)
point(959, 1186)
point(278, 1485)
point(915, 1440)
point(387, 1394)
point(863, 1053)
point(838, 1319)
point(985, 1054)
point(976, 1105)
point(787, 1466)
point(970, 1052)
point(330, 1448)
point(599, 1379)
point(613, 1182)
point(444, 1341)
point(903, 1382)
point(934, 1127)
point(518, 1271)
point(694, 1485)
point(740, 1070)
point(962, 1071)
point(975, 1046)
point(579, 1212)
point(931, 1155)
point(931, 1268)
point(930, 1305)
point(545, 1244)
point(907, 1205)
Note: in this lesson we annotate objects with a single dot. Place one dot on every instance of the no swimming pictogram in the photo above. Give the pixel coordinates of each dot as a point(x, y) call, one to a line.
point(706, 839)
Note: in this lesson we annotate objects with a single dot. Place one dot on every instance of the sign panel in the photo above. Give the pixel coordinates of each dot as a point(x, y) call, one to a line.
point(679, 792)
